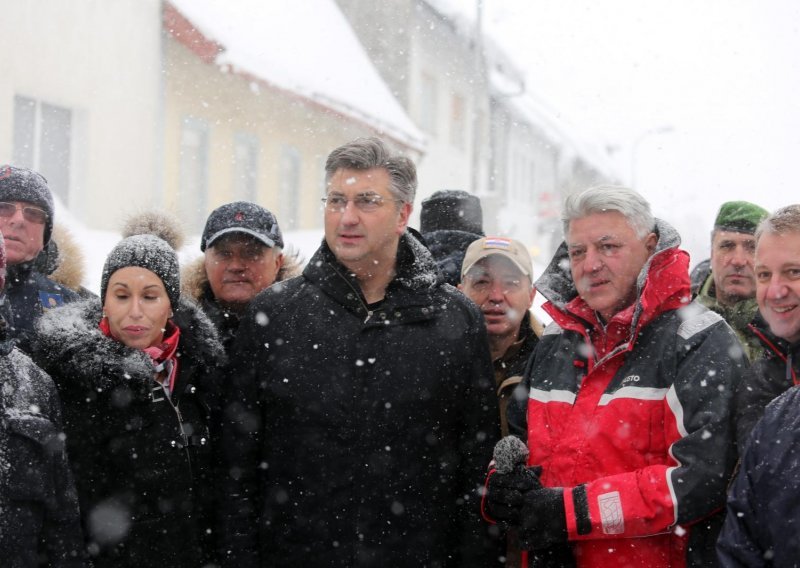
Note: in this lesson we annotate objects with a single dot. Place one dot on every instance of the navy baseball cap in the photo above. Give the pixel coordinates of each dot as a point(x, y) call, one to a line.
point(242, 217)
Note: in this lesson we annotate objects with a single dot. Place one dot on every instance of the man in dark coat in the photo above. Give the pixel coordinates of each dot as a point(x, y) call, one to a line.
point(243, 254)
point(629, 398)
point(361, 404)
point(778, 327)
point(449, 221)
point(26, 222)
point(40, 520)
point(730, 287)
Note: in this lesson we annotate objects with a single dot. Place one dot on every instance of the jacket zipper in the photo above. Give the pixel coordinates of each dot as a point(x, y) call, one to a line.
point(184, 437)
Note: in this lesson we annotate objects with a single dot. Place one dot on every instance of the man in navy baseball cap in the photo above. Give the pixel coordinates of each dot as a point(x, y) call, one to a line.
point(243, 248)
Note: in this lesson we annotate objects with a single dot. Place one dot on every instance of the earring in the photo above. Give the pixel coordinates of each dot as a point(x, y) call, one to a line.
point(104, 315)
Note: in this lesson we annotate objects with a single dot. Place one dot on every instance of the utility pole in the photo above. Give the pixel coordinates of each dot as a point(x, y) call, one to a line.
point(480, 86)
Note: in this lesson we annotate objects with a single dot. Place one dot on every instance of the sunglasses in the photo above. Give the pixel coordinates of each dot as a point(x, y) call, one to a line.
point(29, 213)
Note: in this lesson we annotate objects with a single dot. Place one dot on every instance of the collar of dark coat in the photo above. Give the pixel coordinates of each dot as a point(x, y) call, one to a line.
point(70, 346)
point(670, 282)
point(17, 273)
point(409, 296)
point(526, 340)
point(774, 346)
point(224, 319)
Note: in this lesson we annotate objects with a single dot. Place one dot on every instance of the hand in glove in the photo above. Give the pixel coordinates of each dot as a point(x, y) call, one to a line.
point(504, 494)
point(507, 482)
point(543, 521)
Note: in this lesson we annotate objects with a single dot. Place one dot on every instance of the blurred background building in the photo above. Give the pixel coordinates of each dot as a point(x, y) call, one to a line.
point(187, 104)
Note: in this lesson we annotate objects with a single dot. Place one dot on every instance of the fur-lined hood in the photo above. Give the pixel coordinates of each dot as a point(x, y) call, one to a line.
point(62, 259)
point(71, 346)
point(194, 280)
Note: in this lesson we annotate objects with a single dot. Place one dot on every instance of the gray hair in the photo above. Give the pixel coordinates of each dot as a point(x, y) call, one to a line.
point(784, 220)
point(602, 198)
point(368, 153)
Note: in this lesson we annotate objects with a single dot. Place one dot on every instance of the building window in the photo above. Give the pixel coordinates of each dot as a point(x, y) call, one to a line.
point(245, 166)
point(193, 184)
point(289, 184)
point(43, 142)
point(427, 109)
point(458, 122)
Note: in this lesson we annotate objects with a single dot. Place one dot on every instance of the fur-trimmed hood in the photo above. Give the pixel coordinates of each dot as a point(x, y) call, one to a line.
point(194, 280)
point(62, 259)
point(71, 346)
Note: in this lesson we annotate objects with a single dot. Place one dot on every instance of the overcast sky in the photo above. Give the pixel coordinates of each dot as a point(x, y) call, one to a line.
point(721, 76)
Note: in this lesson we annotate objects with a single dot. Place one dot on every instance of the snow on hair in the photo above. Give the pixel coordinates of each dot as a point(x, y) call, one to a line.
point(784, 220)
point(371, 152)
point(603, 198)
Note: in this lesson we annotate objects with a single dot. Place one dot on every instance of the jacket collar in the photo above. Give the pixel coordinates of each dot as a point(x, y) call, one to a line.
point(738, 315)
point(416, 278)
point(70, 340)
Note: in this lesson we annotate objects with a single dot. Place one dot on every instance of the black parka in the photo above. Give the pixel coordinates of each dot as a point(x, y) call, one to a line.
point(763, 513)
point(39, 517)
point(141, 461)
point(371, 427)
point(775, 372)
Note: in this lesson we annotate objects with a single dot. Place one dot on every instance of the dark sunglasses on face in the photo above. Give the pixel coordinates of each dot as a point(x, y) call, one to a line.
point(29, 213)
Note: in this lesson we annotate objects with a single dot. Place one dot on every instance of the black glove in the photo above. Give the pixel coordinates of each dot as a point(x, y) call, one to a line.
point(504, 496)
point(543, 521)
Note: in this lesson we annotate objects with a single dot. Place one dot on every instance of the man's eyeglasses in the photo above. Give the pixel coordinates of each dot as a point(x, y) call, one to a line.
point(483, 284)
point(366, 202)
point(29, 213)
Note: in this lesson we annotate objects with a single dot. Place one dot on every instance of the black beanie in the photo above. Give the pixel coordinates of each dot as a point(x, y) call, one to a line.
point(149, 252)
point(451, 210)
point(22, 184)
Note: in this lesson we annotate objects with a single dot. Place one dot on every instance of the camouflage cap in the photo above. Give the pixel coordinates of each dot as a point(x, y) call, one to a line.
point(739, 216)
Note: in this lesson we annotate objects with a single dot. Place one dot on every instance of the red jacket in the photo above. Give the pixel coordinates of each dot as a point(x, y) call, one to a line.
point(634, 420)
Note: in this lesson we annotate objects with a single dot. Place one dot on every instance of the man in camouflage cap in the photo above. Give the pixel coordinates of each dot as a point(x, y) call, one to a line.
point(730, 288)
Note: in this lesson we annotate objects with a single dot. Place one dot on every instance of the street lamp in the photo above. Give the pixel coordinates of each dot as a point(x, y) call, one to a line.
point(666, 129)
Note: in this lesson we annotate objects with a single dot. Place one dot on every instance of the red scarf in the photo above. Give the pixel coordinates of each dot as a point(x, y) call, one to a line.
point(162, 355)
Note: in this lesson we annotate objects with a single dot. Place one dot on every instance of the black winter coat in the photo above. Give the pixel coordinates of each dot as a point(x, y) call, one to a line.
point(141, 460)
point(448, 247)
point(769, 377)
point(40, 520)
point(371, 427)
point(30, 294)
point(762, 526)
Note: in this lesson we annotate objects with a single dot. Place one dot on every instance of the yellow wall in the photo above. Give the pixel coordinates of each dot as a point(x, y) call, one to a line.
point(230, 102)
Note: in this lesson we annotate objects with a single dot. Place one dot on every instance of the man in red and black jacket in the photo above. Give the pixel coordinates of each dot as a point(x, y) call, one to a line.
point(629, 399)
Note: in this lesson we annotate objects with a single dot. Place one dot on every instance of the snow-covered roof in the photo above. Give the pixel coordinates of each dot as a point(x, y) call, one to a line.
point(307, 48)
